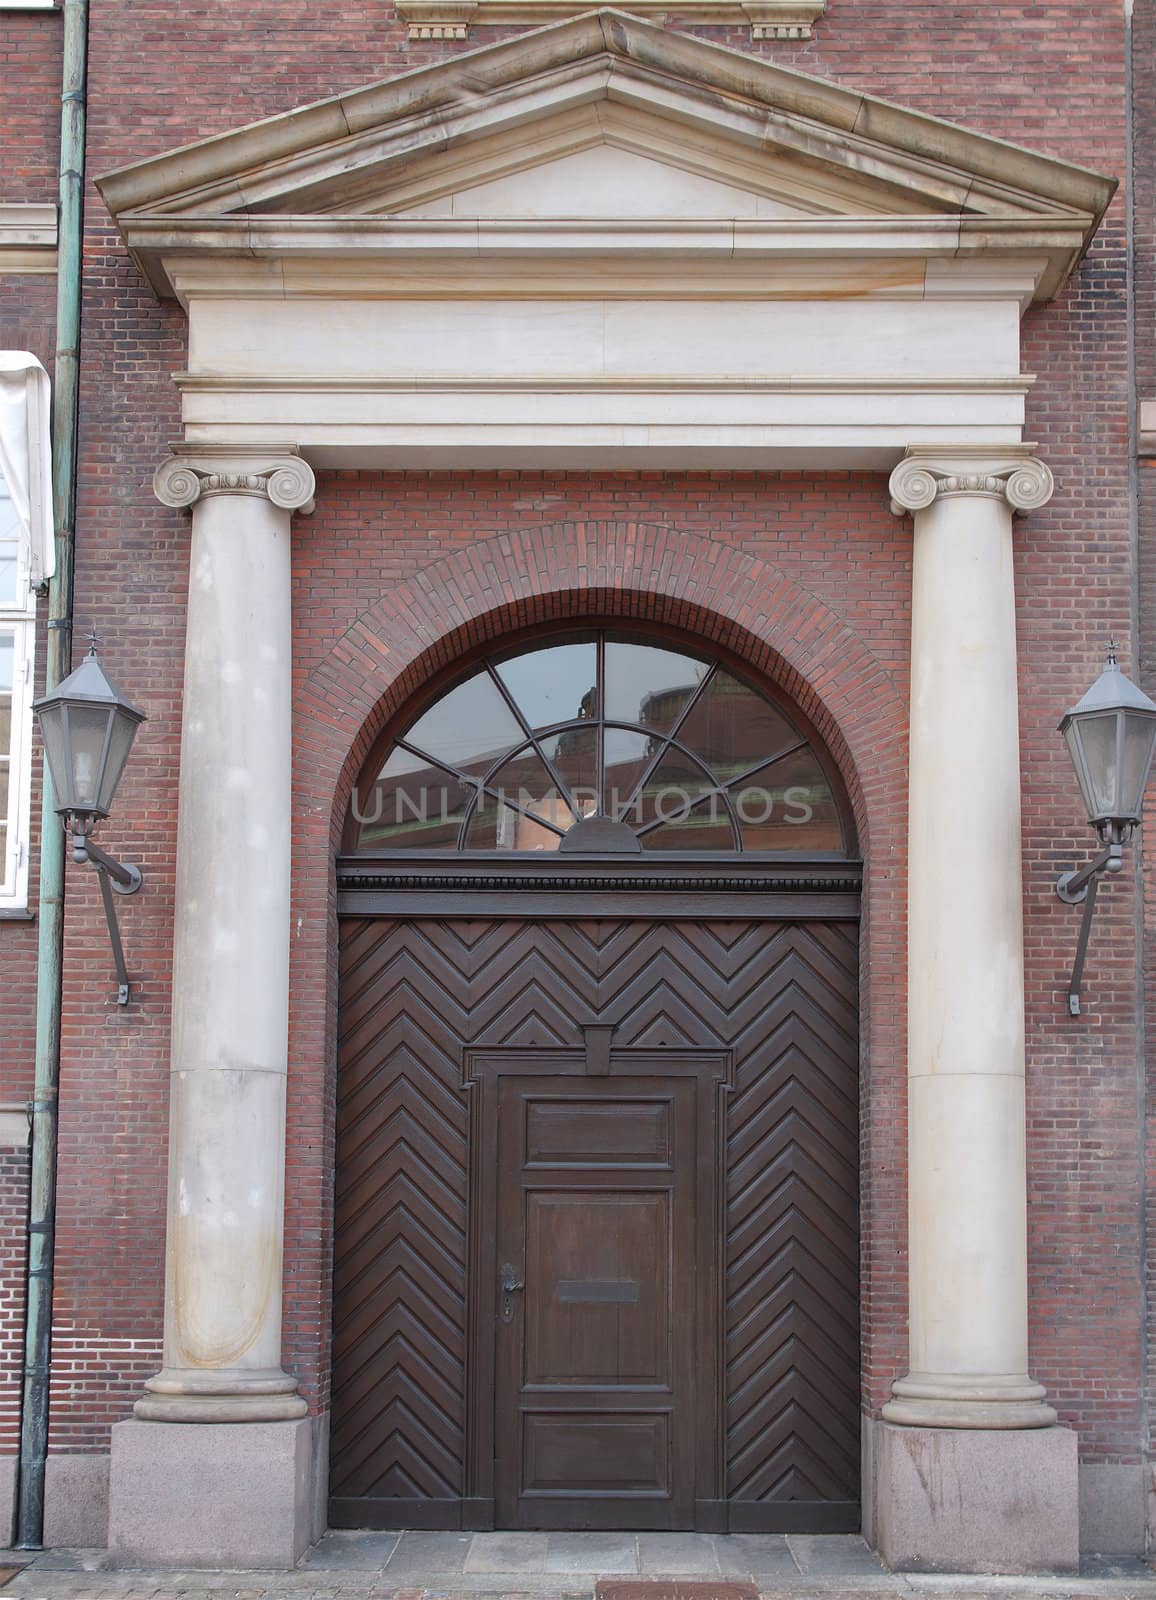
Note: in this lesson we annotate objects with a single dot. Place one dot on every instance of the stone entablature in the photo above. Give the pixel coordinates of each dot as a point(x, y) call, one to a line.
point(602, 244)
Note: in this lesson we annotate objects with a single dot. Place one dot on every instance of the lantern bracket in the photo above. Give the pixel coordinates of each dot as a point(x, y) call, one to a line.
point(1074, 887)
point(116, 877)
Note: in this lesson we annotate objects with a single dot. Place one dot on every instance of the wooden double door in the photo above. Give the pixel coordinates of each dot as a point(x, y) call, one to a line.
point(596, 1225)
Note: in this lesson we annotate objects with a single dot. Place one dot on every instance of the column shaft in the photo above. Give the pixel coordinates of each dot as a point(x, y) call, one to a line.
point(222, 1342)
point(967, 1189)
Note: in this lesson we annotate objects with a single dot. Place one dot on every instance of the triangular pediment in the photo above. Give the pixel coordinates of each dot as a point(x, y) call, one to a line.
point(605, 120)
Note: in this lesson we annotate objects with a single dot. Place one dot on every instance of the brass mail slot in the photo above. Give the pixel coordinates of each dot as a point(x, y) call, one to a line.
point(597, 1291)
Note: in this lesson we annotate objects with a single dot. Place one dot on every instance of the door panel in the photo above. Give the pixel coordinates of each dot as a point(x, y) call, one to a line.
point(597, 1297)
point(415, 997)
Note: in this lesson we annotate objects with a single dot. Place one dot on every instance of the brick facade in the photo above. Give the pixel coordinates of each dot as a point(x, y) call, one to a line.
point(806, 578)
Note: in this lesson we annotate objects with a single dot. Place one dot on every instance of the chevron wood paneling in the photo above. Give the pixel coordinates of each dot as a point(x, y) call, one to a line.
point(782, 997)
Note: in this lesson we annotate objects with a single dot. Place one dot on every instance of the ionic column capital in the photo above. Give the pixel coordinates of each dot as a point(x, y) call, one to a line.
point(927, 474)
point(278, 475)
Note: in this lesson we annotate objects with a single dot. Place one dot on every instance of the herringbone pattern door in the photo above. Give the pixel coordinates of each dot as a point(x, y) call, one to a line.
point(414, 996)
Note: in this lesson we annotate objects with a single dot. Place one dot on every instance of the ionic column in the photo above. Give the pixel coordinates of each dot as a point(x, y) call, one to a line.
point(967, 1188)
point(222, 1345)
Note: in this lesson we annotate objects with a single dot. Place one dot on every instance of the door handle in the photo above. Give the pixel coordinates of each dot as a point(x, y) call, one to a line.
point(509, 1283)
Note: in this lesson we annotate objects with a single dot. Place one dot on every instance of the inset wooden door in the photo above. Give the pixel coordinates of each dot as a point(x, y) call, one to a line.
point(597, 1333)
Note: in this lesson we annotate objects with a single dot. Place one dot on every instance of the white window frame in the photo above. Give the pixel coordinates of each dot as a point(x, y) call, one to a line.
point(19, 618)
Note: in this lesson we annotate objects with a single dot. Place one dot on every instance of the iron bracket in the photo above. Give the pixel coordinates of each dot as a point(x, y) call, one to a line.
point(1074, 888)
point(116, 877)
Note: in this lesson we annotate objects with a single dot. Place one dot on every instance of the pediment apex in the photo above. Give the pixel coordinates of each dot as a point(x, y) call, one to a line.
point(811, 146)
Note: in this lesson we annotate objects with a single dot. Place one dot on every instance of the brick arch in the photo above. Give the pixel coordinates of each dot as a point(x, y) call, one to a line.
point(560, 572)
point(634, 571)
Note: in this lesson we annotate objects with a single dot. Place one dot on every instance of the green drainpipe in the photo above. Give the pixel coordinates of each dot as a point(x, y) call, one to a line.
point(42, 1202)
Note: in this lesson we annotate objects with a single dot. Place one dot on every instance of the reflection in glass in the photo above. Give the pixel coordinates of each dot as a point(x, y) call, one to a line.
point(707, 826)
point(574, 756)
point(678, 749)
point(553, 685)
point(471, 727)
point(787, 805)
point(649, 685)
point(413, 805)
point(626, 756)
point(536, 815)
point(732, 729)
point(669, 792)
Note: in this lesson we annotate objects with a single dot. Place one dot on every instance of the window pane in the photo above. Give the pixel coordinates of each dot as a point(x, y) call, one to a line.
point(672, 788)
point(627, 756)
point(738, 756)
point(8, 574)
point(469, 728)
point(5, 723)
point(733, 729)
point(412, 806)
point(788, 805)
point(707, 827)
point(574, 755)
point(3, 791)
point(649, 685)
point(526, 782)
point(553, 685)
point(9, 521)
point(9, 550)
point(7, 658)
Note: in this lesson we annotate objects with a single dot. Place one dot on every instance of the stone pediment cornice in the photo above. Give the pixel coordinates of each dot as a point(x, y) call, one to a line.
point(858, 177)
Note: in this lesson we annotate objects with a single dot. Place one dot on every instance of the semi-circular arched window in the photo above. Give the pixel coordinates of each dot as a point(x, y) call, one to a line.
point(600, 741)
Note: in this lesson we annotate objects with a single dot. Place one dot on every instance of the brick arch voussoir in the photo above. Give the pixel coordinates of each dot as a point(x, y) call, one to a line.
point(571, 570)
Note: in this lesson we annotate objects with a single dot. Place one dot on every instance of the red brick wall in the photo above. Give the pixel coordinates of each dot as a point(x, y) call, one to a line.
point(1047, 76)
point(13, 1259)
point(30, 56)
point(1144, 315)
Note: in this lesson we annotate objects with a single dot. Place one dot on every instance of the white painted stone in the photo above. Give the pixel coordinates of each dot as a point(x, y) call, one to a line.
point(595, 338)
point(604, 182)
point(967, 1193)
point(222, 1348)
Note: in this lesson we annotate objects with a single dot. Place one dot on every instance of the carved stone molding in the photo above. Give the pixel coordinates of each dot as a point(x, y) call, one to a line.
point(1023, 480)
point(285, 480)
point(453, 19)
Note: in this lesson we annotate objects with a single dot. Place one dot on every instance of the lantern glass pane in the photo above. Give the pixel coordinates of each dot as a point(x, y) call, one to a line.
point(1139, 735)
point(1100, 778)
point(88, 727)
point(123, 733)
point(53, 722)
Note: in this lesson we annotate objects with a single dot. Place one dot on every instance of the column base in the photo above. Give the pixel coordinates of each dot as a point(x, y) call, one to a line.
point(215, 1395)
point(974, 1500)
point(942, 1400)
point(218, 1495)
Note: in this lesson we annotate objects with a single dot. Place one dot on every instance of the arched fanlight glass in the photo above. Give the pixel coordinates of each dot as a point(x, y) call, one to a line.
point(604, 742)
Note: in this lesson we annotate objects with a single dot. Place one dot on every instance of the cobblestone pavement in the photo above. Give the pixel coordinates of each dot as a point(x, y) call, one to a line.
point(517, 1566)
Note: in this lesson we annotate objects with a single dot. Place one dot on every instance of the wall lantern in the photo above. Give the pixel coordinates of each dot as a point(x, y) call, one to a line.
point(88, 730)
point(1111, 735)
